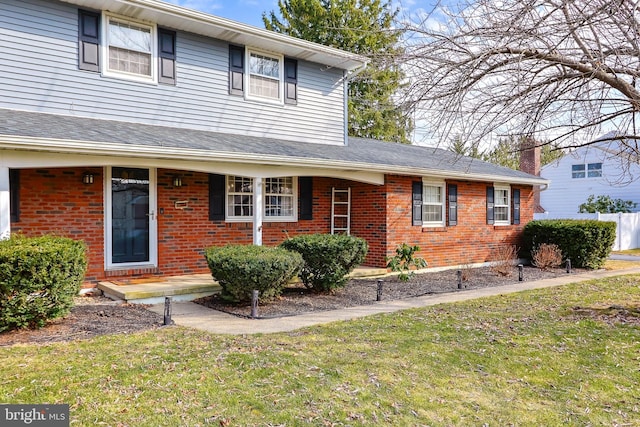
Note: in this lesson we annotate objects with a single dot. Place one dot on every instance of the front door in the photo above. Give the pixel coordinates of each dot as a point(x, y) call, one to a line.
point(131, 224)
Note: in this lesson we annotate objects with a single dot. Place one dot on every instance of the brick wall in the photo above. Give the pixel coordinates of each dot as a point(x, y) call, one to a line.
point(471, 241)
point(55, 201)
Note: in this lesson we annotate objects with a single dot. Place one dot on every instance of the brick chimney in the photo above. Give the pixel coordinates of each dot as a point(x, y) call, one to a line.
point(530, 163)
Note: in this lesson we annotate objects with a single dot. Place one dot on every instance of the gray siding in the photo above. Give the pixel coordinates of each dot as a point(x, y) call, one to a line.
point(39, 72)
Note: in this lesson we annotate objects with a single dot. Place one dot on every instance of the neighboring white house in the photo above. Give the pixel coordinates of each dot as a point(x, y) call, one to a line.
point(596, 169)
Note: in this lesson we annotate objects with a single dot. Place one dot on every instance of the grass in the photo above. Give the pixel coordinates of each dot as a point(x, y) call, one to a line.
point(526, 359)
point(628, 252)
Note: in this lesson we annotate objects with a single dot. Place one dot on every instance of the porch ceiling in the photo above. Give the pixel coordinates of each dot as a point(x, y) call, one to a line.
point(20, 130)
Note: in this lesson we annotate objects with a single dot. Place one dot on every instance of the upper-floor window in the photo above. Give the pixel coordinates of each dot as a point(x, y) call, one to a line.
point(129, 48)
point(262, 76)
point(124, 48)
point(590, 170)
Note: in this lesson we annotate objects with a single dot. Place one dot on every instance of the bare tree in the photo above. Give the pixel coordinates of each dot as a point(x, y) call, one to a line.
point(560, 71)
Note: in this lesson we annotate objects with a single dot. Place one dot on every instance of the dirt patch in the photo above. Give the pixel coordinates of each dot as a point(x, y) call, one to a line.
point(628, 314)
point(297, 300)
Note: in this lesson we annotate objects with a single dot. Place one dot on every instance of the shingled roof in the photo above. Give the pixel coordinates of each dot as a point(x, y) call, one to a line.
point(58, 133)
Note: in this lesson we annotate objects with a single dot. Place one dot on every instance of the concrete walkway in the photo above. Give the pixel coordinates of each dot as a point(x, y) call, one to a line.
point(199, 317)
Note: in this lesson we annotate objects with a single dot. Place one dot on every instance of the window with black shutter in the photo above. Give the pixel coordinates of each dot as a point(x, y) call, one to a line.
point(290, 81)
point(216, 197)
point(417, 202)
point(306, 197)
point(166, 56)
point(88, 40)
point(236, 70)
point(453, 204)
point(490, 206)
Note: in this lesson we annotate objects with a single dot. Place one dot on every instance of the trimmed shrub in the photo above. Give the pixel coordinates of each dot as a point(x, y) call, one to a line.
point(39, 278)
point(328, 258)
point(587, 243)
point(240, 269)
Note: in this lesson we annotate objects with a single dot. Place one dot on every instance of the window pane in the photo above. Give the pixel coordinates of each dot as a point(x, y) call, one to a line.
point(501, 213)
point(129, 36)
point(264, 87)
point(501, 197)
point(431, 194)
point(264, 65)
point(431, 213)
point(129, 62)
point(594, 170)
point(577, 171)
point(239, 196)
point(279, 197)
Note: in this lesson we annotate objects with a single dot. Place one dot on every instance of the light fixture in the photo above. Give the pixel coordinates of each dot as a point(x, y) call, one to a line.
point(87, 178)
point(177, 181)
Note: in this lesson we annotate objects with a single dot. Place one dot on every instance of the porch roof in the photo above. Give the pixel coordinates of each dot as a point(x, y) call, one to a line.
point(79, 135)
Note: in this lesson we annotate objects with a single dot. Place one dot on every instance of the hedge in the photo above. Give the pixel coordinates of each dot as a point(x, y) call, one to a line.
point(39, 278)
point(328, 258)
point(587, 243)
point(241, 269)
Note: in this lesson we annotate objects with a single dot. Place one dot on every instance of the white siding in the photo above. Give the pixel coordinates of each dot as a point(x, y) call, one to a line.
point(566, 194)
point(39, 72)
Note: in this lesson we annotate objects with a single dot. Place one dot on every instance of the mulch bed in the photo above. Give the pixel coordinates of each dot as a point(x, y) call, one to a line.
point(297, 300)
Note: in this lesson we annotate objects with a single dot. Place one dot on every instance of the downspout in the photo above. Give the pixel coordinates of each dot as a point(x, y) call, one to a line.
point(346, 77)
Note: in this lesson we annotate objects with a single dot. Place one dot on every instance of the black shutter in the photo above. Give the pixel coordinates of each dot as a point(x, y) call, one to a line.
point(236, 70)
point(305, 183)
point(515, 200)
point(14, 195)
point(88, 40)
point(216, 197)
point(453, 204)
point(290, 81)
point(166, 56)
point(490, 204)
point(417, 203)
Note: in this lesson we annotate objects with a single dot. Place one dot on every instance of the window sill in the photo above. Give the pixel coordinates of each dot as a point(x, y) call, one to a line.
point(434, 229)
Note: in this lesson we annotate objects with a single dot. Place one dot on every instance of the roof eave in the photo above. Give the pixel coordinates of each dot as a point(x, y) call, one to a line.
point(142, 151)
point(185, 19)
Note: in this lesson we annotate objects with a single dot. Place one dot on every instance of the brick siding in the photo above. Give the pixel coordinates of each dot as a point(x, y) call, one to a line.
point(55, 201)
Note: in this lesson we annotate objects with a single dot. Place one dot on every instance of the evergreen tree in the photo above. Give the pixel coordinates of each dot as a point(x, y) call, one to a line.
point(363, 27)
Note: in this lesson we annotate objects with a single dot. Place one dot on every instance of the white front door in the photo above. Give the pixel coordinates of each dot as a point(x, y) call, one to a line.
point(130, 217)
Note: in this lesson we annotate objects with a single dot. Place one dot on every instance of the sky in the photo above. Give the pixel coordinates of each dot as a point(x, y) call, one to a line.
point(245, 11)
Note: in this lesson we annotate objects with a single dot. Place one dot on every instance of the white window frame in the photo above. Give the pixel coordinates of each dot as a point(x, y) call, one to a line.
point(104, 49)
point(247, 75)
point(496, 188)
point(443, 201)
point(245, 218)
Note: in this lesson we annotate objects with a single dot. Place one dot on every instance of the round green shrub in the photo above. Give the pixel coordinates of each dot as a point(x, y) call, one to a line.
point(240, 269)
point(39, 278)
point(328, 258)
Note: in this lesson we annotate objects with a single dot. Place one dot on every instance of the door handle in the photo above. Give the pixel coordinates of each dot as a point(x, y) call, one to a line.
point(151, 215)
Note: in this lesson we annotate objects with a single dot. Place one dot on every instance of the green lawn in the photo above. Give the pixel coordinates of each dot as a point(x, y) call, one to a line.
point(529, 359)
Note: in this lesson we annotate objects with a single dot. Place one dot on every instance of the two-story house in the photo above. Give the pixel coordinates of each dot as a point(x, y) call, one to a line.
point(598, 169)
point(152, 131)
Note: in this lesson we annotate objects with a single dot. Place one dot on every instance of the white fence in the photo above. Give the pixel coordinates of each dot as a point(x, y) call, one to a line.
point(627, 229)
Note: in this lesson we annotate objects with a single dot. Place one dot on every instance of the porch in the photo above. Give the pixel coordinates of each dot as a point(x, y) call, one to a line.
point(183, 288)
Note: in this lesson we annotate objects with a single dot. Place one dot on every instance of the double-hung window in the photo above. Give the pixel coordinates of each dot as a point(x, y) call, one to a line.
point(124, 48)
point(262, 76)
point(265, 71)
point(279, 199)
point(502, 205)
point(433, 203)
point(594, 170)
point(577, 171)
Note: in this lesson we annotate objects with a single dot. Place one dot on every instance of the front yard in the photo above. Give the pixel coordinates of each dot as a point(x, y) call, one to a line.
point(566, 355)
